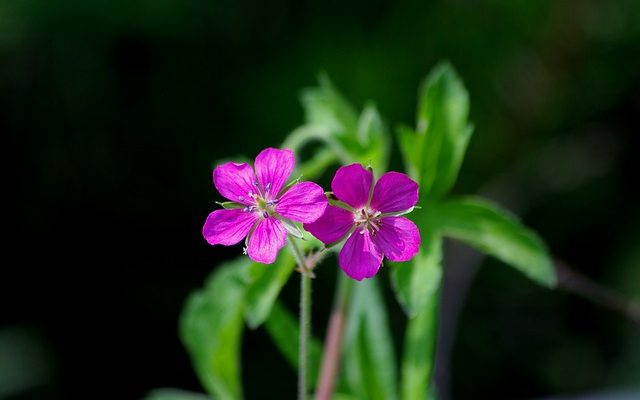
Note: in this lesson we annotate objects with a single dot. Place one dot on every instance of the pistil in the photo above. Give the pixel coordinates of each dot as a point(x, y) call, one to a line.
point(262, 204)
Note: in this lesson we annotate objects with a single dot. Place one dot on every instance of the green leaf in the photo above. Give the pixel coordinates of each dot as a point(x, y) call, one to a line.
point(292, 228)
point(494, 231)
point(410, 147)
point(283, 328)
point(265, 285)
point(419, 351)
point(373, 140)
point(266, 281)
point(230, 205)
point(436, 152)
point(331, 120)
point(342, 396)
point(325, 106)
point(323, 133)
point(369, 364)
point(211, 329)
point(369, 143)
point(416, 281)
point(174, 394)
point(318, 164)
point(417, 284)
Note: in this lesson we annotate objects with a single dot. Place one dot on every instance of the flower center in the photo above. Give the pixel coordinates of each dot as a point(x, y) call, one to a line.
point(367, 219)
point(263, 203)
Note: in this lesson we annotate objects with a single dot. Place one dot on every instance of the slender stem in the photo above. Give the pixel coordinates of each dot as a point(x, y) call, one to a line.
point(305, 332)
point(333, 341)
point(305, 318)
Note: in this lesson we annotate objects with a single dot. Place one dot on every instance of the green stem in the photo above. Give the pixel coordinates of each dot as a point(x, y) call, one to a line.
point(417, 366)
point(305, 318)
point(305, 333)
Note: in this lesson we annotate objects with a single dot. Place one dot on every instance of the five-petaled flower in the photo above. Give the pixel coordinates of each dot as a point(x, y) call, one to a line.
point(264, 207)
point(370, 220)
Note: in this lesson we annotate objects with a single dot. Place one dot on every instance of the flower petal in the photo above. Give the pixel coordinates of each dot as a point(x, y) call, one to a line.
point(228, 227)
point(394, 192)
point(235, 182)
point(398, 238)
point(360, 258)
point(332, 225)
point(266, 241)
point(303, 202)
point(273, 167)
point(352, 184)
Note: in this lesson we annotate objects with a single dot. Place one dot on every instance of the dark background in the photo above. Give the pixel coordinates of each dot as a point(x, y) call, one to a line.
point(115, 111)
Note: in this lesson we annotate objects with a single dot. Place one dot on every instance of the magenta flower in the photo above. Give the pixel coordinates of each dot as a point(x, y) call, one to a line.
point(370, 221)
point(263, 207)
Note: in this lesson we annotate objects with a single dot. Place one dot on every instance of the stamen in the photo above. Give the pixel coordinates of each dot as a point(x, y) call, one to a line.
point(265, 214)
point(368, 221)
point(268, 187)
point(241, 198)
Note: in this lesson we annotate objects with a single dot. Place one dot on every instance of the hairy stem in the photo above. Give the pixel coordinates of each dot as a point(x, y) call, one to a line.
point(305, 332)
point(305, 318)
point(333, 342)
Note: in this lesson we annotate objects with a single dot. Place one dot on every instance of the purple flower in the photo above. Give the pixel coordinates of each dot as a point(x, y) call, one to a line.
point(263, 207)
point(370, 220)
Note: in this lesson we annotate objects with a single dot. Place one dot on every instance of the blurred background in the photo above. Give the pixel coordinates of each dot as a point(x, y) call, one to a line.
point(115, 111)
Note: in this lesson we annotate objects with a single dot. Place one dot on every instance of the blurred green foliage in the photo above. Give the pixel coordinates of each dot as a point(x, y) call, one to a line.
point(117, 109)
point(212, 331)
point(369, 364)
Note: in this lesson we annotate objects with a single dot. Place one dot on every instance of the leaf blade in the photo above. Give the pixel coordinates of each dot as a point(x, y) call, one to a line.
point(211, 329)
point(369, 362)
point(442, 132)
point(417, 289)
point(326, 106)
point(415, 282)
point(410, 146)
point(419, 351)
point(373, 139)
point(492, 230)
point(283, 329)
point(174, 394)
point(265, 286)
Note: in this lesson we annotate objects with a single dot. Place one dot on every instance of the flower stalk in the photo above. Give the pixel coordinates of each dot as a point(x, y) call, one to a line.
point(305, 333)
point(306, 274)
